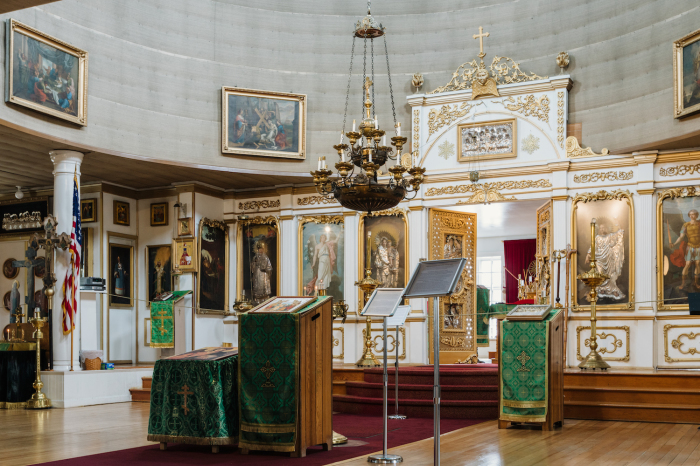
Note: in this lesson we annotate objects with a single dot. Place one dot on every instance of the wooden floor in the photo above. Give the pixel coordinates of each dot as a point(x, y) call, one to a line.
point(29, 437)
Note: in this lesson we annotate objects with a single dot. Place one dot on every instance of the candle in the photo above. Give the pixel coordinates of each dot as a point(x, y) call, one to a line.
point(530, 278)
point(319, 163)
point(324, 162)
point(342, 156)
point(592, 240)
point(370, 156)
point(398, 129)
point(376, 122)
point(341, 138)
point(384, 140)
point(353, 126)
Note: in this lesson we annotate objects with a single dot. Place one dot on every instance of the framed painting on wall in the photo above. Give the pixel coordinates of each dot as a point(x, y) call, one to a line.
point(677, 247)
point(686, 75)
point(322, 253)
point(184, 226)
point(46, 74)
point(121, 275)
point(487, 140)
point(263, 123)
point(184, 254)
point(614, 239)
point(23, 216)
point(212, 286)
point(159, 214)
point(383, 248)
point(88, 210)
point(158, 271)
point(258, 246)
point(122, 213)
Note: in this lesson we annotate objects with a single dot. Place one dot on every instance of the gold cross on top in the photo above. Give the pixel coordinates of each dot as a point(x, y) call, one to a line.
point(162, 318)
point(185, 391)
point(523, 358)
point(268, 370)
point(481, 36)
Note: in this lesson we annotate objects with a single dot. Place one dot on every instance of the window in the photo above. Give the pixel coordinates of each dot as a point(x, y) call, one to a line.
point(489, 273)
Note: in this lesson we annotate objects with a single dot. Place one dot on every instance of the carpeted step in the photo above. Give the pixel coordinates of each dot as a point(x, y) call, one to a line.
point(423, 392)
point(448, 376)
point(449, 409)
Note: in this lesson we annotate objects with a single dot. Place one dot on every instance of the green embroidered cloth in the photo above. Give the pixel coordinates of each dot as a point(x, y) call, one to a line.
point(194, 402)
point(524, 369)
point(482, 316)
point(268, 375)
point(162, 323)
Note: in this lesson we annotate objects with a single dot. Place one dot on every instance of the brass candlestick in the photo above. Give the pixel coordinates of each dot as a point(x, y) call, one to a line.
point(593, 279)
point(368, 285)
point(38, 399)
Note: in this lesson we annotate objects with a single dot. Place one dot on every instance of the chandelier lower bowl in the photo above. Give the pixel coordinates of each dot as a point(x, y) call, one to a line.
point(369, 198)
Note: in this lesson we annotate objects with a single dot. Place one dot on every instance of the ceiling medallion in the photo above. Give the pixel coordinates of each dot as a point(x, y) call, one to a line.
point(483, 81)
point(367, 149)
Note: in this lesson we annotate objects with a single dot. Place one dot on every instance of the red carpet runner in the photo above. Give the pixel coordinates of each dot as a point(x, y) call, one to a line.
point(468, 392)
point(362, 431)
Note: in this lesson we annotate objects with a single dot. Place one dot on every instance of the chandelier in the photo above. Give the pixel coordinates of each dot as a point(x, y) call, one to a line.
point(357, 185)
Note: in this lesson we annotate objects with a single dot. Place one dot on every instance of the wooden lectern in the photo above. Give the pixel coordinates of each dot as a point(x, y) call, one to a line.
point(283, 356)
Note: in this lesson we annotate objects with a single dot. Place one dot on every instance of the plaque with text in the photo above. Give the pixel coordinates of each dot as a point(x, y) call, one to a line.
point(435, 278)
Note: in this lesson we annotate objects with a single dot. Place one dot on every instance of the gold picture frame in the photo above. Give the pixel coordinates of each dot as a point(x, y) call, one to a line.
point(114, 300)
point(88, 210)
point(686, 90)
point(150, 270)
point(663, 263)
point(361, 252)
point(66, 99)
point(496, 125)
point(602, 195)
point(207, 257)
point(183, 247)
point(122, 213)
point(319, 220)
point(184, 226)
point(241, 252)
point(245, 129)
point(159, 214)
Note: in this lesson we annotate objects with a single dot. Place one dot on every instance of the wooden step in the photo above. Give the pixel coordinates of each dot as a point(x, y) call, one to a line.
point(677, 396)
point(140, 395)
point(617, 379)
point(146, 382)
point(647, 412)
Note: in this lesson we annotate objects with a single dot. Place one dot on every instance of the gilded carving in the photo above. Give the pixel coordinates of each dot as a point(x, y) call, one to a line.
point(529, 106)
point(446, 150)
point(394, 211)
point(453, 341)
point(416, 132)
point(499, 185)
point(378, 340)
point(573, 149)
point(530, 144)
point(484, 196)
point(560, 118)
point(602, 195)
point(603, 176)
point(313, 200)
point(250, 205)
point(602, 336)
point(270, 220)
point(337, 219)
point(446, 116)
point(677, 344)
point(680, 170)
point(339, 342)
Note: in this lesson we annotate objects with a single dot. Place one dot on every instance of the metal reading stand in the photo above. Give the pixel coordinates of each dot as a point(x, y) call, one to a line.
point(398, 319)
point(433, 279)
point(383, 303)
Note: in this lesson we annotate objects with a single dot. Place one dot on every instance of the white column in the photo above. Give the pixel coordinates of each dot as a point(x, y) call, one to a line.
point(66, 165)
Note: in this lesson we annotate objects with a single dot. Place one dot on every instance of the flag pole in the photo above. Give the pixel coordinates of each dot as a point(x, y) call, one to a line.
point(71, 346)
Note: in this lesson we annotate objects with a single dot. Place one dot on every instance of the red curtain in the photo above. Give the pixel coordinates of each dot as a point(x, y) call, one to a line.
point(518, 255)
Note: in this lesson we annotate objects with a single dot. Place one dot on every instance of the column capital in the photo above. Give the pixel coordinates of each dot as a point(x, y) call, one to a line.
point(66, 161)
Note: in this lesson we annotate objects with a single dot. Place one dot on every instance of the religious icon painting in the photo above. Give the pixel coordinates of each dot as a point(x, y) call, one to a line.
point(6, 301)
point(40, 271)
point(184, 255)
point(322, 253)
point(686, 75)
point(121, 275)
point(184, 226)
point(46, 74)
point(284, 304)
point(678, 247)
point(212, 286)
point(487, 140)
point(454, 318)
point(9, 270)
point(614, 243)
point(86, 253)
point(41, 300)
point(20, 217)
point(159, 214)
point(88, 210)
point(122, 213)
point(158, 271)
point(263, 123)
point(384, 248)
point(258, 260)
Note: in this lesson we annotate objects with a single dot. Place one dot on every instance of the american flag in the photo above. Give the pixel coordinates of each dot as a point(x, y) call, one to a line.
point(70, 284)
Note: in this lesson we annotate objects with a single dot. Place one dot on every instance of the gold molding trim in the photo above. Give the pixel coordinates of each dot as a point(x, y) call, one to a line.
point(377, 339)
point(680, 170)
point(538, 108)
point(485, 195)
point(266, 204)
point(679, 108)
point(498, 185)
point(447, 115)
point(602, 195)
point(313, 200)
point(617, 343)
point(573, 149)
point(676, 317)
point(668, 194)
point(339, 342)
point(416, 135)
point(560, 118)
point(623, 318)
point(677, 344)
point(604, 176)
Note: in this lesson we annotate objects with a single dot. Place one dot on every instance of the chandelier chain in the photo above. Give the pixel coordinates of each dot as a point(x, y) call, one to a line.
point(364, 78)
point(374, 102)
point(347, 95)
point(391, 89)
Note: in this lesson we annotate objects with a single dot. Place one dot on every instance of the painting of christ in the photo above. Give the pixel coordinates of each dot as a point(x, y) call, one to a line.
point(271, 124)
point(47, 74)
point(212, 286)
point(158, 268)
point(323, 256)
